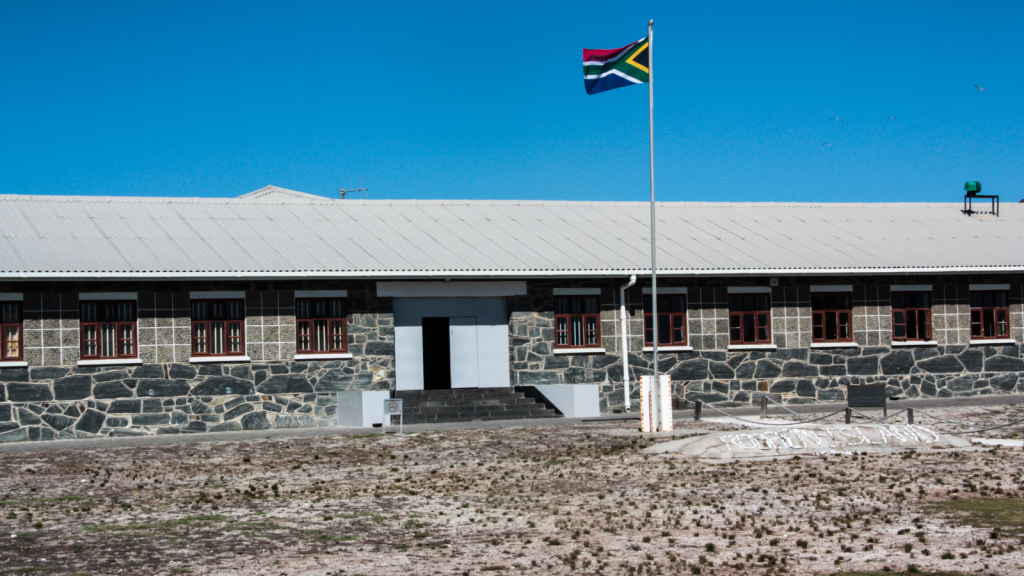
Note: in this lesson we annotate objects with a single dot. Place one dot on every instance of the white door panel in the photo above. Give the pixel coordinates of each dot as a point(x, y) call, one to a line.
point(462, 331)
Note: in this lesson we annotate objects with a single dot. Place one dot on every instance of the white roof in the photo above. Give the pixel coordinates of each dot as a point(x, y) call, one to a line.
point(277, 233)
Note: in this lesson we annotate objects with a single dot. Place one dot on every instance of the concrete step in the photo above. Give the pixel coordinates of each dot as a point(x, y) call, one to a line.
point(470, 404)
point(478, 416)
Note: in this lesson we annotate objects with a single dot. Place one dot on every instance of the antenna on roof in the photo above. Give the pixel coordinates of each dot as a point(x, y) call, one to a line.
point(362, 188)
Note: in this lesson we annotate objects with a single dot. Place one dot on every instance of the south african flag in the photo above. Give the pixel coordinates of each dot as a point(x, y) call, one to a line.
point(607, 69)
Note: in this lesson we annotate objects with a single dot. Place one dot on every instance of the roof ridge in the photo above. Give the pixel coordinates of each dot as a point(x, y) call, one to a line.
point(437, 201)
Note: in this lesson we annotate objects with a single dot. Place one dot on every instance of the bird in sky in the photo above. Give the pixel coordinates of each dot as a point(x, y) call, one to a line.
point(827, 144)
point(838, 118)
point(980, 89)
point(892, 117)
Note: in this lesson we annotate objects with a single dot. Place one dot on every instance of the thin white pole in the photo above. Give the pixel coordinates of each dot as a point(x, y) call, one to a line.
point(655, 385)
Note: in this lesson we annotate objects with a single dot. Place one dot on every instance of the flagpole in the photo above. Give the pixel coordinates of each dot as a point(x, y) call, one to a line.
point(655, 388)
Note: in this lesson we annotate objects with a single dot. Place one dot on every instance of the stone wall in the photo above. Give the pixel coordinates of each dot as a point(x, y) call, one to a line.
point(43, 403)
point(794, 372)
point(55, 398)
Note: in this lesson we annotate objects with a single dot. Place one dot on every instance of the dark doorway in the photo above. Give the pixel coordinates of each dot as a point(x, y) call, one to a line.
point(437, 366)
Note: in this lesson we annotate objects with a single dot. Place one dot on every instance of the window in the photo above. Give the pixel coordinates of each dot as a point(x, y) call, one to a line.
point(749, 315)
point(10, 331)
point(911, 316)
point(671, 321)
point(218, 327)
point(990, 315)
point(830, 317)
point(108, 329)
point(320, 326)
point(577, 322)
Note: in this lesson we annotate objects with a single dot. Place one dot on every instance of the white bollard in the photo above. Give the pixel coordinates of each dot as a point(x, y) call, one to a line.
point(647, 407)
point(666, 402)
point(645, 404)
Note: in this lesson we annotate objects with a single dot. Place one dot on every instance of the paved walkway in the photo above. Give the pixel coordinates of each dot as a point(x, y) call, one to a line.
point(680, 416)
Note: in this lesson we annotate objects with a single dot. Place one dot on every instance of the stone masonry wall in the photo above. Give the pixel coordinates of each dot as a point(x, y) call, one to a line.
point(55, 398)
point(794, 372)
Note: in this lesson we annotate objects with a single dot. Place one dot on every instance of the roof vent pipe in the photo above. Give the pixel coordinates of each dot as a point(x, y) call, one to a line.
point(625, 339)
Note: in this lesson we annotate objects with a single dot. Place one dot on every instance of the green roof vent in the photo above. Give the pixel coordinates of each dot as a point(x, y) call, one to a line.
point(973, 189)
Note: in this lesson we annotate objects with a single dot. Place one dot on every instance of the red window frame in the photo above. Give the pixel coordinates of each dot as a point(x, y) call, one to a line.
point(750, 318)
point(12, 318)
point(577, 322)
point(990, 312)
point(831, 317)
point(331, 313)
point(911, 316)
point(671, 320)
point(107, 314)
point(218, 327)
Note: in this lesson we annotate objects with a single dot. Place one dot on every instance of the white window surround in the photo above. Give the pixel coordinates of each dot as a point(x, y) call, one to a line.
point(560, 351)
point(323, 356)
point(832, 288)
point(990, 287)
point(577, 291)
point(216, 359)
point(910, 343)
point(834, 345)
point(111, 362)
point(669, 348)
point(321, 293)
point(749, 290)
point(993, 342)
point(108, 296)
point(13, 364)
point(753, 347)
point(666, 290)
point(11, 297)
point(217, 295)
point(910, 288)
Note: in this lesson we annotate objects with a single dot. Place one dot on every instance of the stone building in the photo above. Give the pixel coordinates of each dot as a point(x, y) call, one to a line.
point(169, 315)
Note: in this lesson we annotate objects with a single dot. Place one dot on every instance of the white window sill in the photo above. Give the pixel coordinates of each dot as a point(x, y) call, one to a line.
point(111, 362)
point(559, 351)
point(835, 345)
point(323, 357)
point(13, 364)
point(915, 343)
point(669, 348)
point(993, 342)
point(753, 347)
point(215, 359)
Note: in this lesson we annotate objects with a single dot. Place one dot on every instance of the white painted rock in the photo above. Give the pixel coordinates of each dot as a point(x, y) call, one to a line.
point(810, 439)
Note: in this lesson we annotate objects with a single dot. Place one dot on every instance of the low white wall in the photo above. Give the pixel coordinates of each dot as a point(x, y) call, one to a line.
point(573, 400)
point(362, 409)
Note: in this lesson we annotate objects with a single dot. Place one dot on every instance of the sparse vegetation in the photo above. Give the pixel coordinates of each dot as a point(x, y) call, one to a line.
point(573, 500)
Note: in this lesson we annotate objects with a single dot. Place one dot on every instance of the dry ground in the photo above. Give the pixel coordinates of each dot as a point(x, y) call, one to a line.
point(554, 500)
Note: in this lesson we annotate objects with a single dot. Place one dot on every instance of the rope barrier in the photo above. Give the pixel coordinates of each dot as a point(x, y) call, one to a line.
point(771, 423)
point(982, 429)
point(779, 404)
point(941, 418)
point(881, 420)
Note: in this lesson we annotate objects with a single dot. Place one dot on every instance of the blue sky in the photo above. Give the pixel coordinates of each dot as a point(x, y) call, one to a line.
point(486, 100)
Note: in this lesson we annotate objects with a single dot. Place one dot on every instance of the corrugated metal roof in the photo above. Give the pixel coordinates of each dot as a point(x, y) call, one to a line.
point(276, 233)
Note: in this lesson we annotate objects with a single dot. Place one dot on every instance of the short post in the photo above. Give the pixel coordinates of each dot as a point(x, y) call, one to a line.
point(764, 407)
point(849, 414)
point(696, 410)
point(910, 415)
